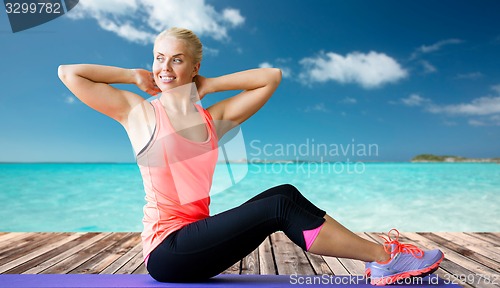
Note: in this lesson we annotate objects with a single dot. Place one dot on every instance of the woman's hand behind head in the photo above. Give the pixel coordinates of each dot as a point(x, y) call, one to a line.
point(145, 81)
point(202, 85)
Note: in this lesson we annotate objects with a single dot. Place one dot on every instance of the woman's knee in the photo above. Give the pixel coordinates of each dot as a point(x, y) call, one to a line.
point(288, 190)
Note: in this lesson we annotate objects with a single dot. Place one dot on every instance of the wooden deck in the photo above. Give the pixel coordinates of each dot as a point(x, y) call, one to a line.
point(472, 257)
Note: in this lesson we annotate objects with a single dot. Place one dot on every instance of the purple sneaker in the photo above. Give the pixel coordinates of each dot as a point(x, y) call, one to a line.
point(406, 261)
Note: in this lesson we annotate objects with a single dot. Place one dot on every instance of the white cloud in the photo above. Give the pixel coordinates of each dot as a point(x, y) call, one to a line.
point(265, 65)
point(140, 20)
point(428, 67)
point(115, 7)
point(349, 100)
point(369, 70)
point(495, 119)
point(127, 31)
point(414, 100)
point(473, 75)
point(210, 51)
point(486, 121)
point(449, 123)
point(70, 100)
point(482, 111)
point(434, 47)
point(233, 16)
point(286, 72)
point(320, 107)
point(479, 106)
point(475, 122)
point(438, 45)
point(496, 88)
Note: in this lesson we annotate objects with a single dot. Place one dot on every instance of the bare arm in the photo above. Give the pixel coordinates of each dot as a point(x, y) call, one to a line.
point(90, 84)
point(258, 86)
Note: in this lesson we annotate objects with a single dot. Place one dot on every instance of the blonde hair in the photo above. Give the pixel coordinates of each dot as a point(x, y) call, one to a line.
point(187, 35)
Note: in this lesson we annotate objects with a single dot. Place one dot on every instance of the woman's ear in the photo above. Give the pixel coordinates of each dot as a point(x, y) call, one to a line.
point(196, 69)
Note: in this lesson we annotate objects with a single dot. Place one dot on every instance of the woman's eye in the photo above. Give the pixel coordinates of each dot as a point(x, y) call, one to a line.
point(177, 60)
point(159, 58)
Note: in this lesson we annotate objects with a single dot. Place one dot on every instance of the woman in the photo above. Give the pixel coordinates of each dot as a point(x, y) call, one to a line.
point(176, 147)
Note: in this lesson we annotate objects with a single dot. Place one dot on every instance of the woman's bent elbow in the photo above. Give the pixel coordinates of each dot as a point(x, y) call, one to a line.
point(62, 71)
point(277, 75)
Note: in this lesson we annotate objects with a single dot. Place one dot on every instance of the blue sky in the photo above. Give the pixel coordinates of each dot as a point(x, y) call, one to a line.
point(411, 77)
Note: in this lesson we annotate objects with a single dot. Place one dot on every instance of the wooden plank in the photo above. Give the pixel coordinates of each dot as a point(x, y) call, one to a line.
point(142, 266)
point(492, 239)
point(365, 236)
point(267, 264)
point(465, 255)
point(233, 269)
point(318, 264)
point(354, 267)
point(290, 258)
point(20, 248)
point(76, 259)
point(335, 265)
point(9, 235)
point(472, 243)
point(141, 270)
point(13, 240)
point(454, 264)
point(471, 240)
point(122, 253)
point(41, 259)
point(31, 246)
point(107, 256)
point(36, 253)
point(250, 264)
point(63, 254)
point(464, 251)
point(372, 236)
point(493, 235)
point(18, 240)
point(9, 238)
point(120, 262)
point(132, 265)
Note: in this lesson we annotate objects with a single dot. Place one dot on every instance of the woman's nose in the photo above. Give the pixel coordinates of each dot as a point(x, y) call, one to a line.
point(166, 66)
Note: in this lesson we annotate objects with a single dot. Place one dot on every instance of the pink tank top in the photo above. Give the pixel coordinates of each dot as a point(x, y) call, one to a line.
point(177, 176)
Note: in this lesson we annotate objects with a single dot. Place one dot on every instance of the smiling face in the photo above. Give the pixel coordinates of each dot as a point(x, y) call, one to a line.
point(173, 63)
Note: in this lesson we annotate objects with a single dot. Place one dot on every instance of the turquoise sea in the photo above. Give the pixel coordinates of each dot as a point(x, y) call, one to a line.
point(366, 197)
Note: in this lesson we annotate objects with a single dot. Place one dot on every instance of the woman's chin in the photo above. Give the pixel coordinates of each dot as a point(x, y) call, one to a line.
point(168, 86)
point(164, 87)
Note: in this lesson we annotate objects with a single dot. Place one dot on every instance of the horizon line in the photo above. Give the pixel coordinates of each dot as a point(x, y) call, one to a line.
point(258, 162)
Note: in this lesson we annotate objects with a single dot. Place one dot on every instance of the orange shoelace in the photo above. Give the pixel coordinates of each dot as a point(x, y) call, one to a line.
point(403, 248)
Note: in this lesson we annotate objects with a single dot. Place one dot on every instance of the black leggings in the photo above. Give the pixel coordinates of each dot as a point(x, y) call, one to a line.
point(207, 247)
